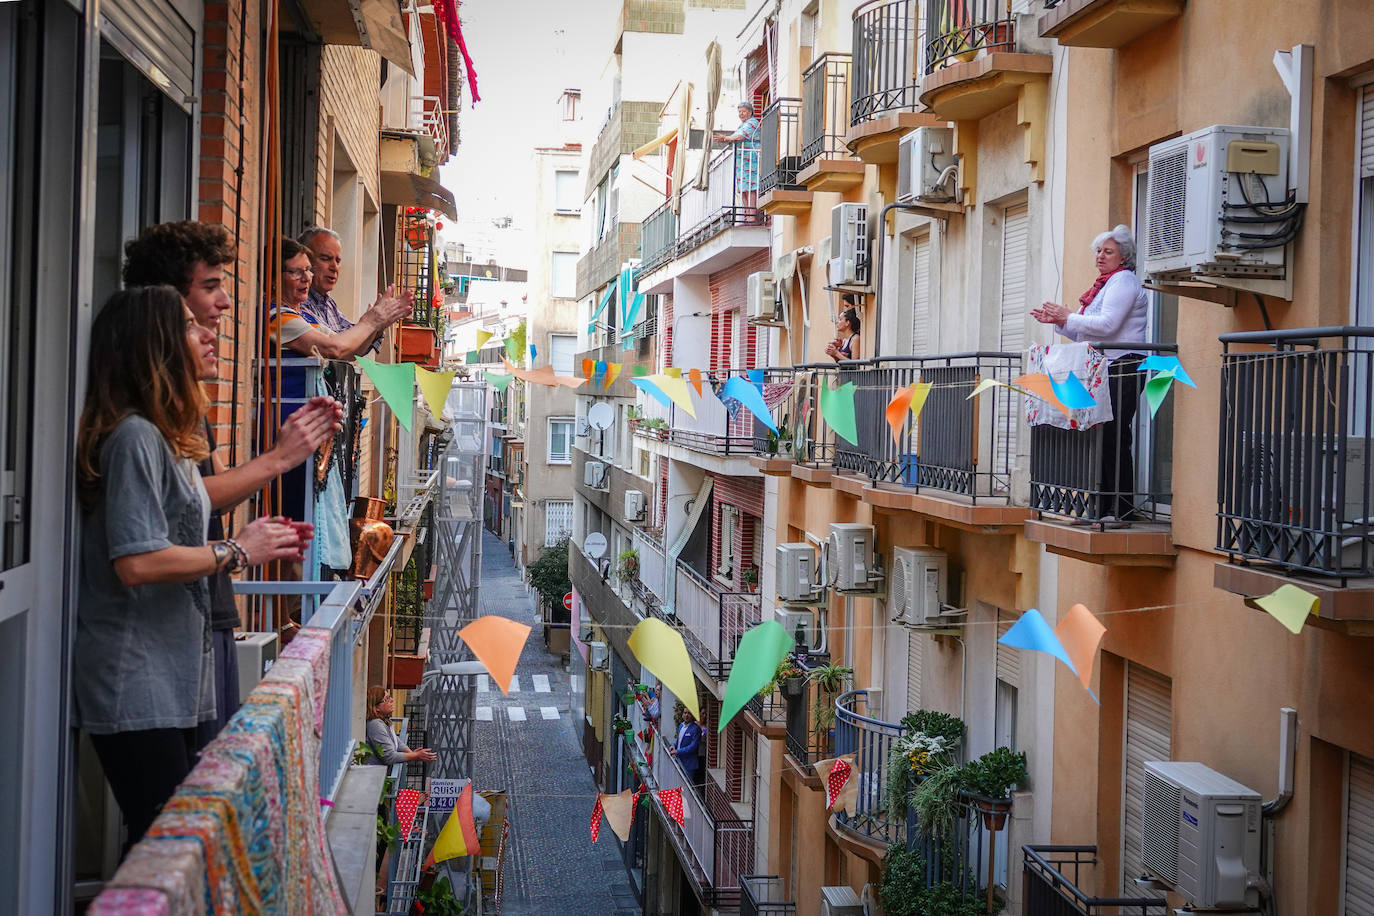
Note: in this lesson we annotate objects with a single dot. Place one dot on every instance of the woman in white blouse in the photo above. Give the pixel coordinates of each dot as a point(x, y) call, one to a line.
point(1115, 309)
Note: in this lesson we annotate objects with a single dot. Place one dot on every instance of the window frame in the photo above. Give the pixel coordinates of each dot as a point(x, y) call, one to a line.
point(571, 424)
point(550, 539)
point(557, 291)
point(571, 343)
point(574, 189)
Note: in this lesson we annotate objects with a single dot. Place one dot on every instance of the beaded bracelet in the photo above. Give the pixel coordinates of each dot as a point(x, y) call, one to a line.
point(240, 555)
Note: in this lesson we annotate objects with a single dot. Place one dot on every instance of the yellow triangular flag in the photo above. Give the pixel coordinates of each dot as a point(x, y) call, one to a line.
point(435, 387)
point(660, 649)
point(919, 392)
point(677, 391)
point(482, 338)
point(612, 370)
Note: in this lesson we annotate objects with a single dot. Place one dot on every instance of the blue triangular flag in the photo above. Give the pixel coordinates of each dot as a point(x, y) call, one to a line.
point(749, 396)
point(1033, 633)
point(1071, 393)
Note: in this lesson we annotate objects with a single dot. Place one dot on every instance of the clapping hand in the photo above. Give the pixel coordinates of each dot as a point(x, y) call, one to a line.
point(1050, 313)
point(307, 429)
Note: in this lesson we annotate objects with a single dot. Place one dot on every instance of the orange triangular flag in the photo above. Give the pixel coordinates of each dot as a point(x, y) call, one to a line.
point(897, 409)
point(496, 641)
point(1038, 384)
point(1080, 633)
point(588, 367)
point(695, 376)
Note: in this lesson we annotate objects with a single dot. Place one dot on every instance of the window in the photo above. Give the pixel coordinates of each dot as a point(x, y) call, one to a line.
point(1364, 210)
point(567, 191)
point(560, 440)
point(562, 348)
point(558, 516)
point(563, 275)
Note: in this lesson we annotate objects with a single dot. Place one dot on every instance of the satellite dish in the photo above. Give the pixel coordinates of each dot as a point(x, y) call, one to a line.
point(601, 415)
point(595, 545)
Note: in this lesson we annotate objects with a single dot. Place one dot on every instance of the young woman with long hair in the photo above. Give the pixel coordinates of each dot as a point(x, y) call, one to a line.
point(385, 747)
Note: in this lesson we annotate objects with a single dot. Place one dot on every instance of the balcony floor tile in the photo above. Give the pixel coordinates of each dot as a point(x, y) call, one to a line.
point(876, 141)
point(952, 509)
point(816, 475)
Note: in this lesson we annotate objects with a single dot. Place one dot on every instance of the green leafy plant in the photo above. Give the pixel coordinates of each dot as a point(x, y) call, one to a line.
point(549, 574)
point(634, 413)
point(787, 669)
point(622, 726)
point(749, 575)
point(935, 724)
point(912, 758)
point(907, 890)
point(439, 900)
point(831, 680)
point(387, 834)
point(936, 799)
point(627, 565)
point(994, 774)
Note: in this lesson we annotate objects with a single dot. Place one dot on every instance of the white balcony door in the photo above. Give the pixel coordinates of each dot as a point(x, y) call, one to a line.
point(922, 334)
point(1148, 724)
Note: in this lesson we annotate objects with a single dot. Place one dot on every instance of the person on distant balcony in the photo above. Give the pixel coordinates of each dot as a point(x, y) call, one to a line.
point(746, 140)
point(845, 346)
point(384, 748)
point(190, 256)
point(143, 661)
point(326, 261)
point(1115, 309)
point(687, 750)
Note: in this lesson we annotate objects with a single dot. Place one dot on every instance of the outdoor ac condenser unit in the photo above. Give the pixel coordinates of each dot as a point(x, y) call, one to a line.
point(796, 623)
point(794, 565)
point(760, 298)
point(598, 656)
point(1201, 833)
point(919, 587)
point(634, 506)
point(851, 556)
point(922, 156)
point(594, 474)
point(849, 245)
point(1203, 190)
point(840, 901)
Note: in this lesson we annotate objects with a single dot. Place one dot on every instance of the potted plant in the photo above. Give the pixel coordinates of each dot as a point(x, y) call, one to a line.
point(831, 680)
point(749, 575)
point(913, 757)
point(934, 803)
point(989, 781)
point(627, 565)
point(788, 676)
point(622, 726)
point(439, 899)
point(935, 724)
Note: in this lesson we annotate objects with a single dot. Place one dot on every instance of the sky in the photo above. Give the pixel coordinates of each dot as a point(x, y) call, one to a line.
point(525, 53)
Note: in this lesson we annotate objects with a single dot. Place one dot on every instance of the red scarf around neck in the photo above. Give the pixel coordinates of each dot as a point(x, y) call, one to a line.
point(1087, 298)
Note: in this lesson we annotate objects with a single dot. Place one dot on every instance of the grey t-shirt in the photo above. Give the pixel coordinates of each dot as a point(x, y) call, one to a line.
point(383, 743)
point(142, 657)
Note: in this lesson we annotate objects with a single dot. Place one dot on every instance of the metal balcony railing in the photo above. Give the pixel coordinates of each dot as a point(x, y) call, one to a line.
point(771, 710)
point(958, 854)
point(869, 740)
point(712, 431)
point(712, 620)
point(958, 30)
point(802, 433)
point(724, 202)
point(761, 895)
point(805, 742)
point(657, 238)
point(886, 60)
point(825, 108)
point(1077, 473)
point(959, 446)
point(1047, 891)
point(427, 112)
point(780, 146)
point(1293, 460)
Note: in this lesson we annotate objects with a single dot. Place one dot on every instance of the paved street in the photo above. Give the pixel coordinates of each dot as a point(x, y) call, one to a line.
point(527, 744)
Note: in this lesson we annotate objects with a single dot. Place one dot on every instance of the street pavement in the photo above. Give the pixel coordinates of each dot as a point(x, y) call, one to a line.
point(527, 744)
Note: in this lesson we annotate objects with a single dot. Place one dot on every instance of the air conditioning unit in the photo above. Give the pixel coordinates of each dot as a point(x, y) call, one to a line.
point(850, 556)
point(634, 506)
point(761, 299)
point(256, 652)
point(922, 156)
point(849, 245)
point(796, 623)
point(795, 565)
point(1204, 190)
point(1200, 833)
point(840, 901)
point(583, 427)
point(919, 586)
point(598, 656)
point(594, 474)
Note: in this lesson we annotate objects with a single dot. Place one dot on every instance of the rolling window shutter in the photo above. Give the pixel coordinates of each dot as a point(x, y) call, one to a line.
point(1008, 658)
point(915, 644)
point(157, 40)
point(1367, 132)
point(1148, 726)
point(1359, 838)
point(1012, 336)
point(920, 300)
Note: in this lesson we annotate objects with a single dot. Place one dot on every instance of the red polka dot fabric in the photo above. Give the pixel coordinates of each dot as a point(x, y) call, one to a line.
point(835, 782)
point(596, 819)
point(407, 802)
point(672, 803)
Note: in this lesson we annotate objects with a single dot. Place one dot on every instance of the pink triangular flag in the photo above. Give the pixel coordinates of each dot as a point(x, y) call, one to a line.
point(672, 803)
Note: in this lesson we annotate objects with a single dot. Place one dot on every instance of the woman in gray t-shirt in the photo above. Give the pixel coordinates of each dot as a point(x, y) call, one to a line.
point(142, 669)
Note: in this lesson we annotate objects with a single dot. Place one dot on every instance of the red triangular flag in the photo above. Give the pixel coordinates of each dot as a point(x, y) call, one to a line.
point(672, 803)
point(596, 818)
point(834, 783)
point(407, 801)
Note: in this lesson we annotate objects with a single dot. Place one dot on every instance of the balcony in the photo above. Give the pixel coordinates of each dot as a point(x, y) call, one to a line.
point(1082, 510)
point(761, 895)
point(601, 265)
point(804, 445)
point(712, 620)
point(722, 204)
point(884, 101)
point(711, 432)
point(658, 238)
point(1105, 23)
point(428, 112)
point(869, 740)
point(780, 160)
point(955, 462)
point(1293, 482)
point(1047, 891)
point(825, 161)
point(806, 742)
point(767, 714)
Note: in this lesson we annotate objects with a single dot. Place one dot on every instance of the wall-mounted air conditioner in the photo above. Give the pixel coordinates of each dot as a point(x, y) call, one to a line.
point(594, 474)
point(796, 622)
point(849, 245)
point(634, 506)
point(1217, 205)
point(795, 565)
point(840, 901)
point(256, 652)
point(1200, 834)
point(919, 586)
point(598, 656)
point(850, 559)
point(761, 299)
point(922, 158)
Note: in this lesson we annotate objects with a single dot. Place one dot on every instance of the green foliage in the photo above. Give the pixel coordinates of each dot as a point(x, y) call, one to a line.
point(410, 605)
point(936, 799)
point(549, 574)
point(518, 335)
point(935, 724)
point(995, 773)
point(627, 565)
point(387, 834)
point(911, 758)
point(903, 889)
point(831, 679)
point(439, 900)
point(787, 669)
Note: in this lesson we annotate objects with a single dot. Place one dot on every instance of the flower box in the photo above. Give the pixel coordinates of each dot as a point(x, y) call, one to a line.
point(417, 343)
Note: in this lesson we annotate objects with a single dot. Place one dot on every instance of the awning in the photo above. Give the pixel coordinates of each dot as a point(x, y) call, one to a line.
point(406, 189)
point(374, 24)
point(654, 144)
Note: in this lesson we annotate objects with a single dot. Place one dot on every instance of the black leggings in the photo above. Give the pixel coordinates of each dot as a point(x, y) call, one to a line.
point(144, 768)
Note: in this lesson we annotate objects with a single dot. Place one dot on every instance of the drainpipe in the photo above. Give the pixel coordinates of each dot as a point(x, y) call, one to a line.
point(877, 268)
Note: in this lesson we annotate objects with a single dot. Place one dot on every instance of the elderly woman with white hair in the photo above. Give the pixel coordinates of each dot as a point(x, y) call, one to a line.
point(1115, 309)
point(746, 140)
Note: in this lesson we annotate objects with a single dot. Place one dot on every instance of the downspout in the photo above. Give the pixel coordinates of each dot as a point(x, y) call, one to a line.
point(877, 277)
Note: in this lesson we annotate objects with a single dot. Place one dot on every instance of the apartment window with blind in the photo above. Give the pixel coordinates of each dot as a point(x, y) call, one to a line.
point(567, 191)
point(558, 517)
point(562, 348)
point(563, 274)
point(560, 440)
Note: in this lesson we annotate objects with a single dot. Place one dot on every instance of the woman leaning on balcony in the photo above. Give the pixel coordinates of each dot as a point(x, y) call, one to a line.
point(1114, 309)
point(746, 140)
point(382, 744)
point(143, 670)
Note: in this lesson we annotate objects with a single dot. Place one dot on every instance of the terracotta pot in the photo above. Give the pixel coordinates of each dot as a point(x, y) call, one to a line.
point(994, 812)
point(417, 342)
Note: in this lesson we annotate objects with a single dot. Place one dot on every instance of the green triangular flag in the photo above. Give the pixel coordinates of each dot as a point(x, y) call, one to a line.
point(396, 384)
point(756, 661)
point(513, 350)
point(499, 380)
point(837, 406)
point(639, 371)
point(1156, 388)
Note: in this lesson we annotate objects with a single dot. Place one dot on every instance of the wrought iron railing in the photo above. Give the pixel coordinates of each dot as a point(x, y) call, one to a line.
point(825, 107)
point(1293, 464)
point(806, 742)
point(966, 447)
point(886, 60)
point(657, 238)
point(1112, 473)
point(726, 201)
point(780, 146)
point(868, 739)
point(761, 895)
point(802, 434)
point(1046, 889)
point(956, 853)
point(712, 620)
point(771, 710)
point(712, 431)
point(958, 30)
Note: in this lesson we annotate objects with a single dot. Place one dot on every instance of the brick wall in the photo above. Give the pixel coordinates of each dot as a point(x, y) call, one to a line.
point(350, 108)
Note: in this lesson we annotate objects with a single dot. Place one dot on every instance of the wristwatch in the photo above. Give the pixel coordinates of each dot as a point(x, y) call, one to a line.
point(224, 555)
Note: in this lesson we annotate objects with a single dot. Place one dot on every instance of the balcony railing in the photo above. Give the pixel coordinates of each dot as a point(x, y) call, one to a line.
point(959, 446)
point(658, 238)
point(428, 112)
point(761, 895)
point(711, 431)
point(780, 146)
point(724, 202)
point(869, 740)
point(886, 57)
point(802, 433)
point(805, 742)
point(1046, 890)
point(958, 30)
point(957, 854)
point(771, 710)
point(712, 620)
point(825, 107)
point(1294, 472)
point(1077, 473)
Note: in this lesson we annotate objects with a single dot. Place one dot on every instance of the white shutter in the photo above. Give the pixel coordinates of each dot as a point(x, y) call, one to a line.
point(562, 348)
point(1148, 725)
point(1012, 325)
point(1008, 658)
point(1367, 132)
point(915, 641)
point(1359, 838)
point(920, 298)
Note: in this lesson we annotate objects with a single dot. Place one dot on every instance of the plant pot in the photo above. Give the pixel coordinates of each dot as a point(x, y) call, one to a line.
point(793, 686)
point(993, 810)
point(417, 343)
